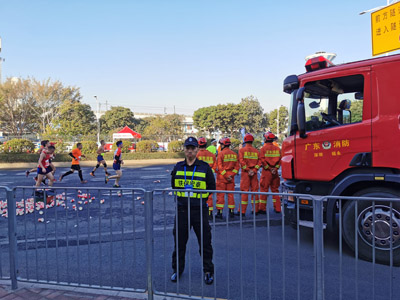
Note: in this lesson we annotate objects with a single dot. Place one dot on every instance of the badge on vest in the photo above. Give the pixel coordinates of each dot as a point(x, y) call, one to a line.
point(188, 187)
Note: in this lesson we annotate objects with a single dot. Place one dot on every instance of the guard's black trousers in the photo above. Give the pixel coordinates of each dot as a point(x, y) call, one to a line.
point(185, 221)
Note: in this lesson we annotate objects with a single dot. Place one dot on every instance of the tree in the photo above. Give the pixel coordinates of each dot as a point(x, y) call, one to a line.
point(162, 126)
point(228, 118)
point(252, 118)
point(356, 111)
point(16, 99)
point(117, 117)
point(75, 119)
point(204, 119)
point(283, 120)
point(47, 99)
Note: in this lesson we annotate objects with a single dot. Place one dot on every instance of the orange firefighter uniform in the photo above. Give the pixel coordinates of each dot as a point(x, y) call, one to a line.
point(211, 159)
point(270, 155)
point(228, 168)
point(249, 158)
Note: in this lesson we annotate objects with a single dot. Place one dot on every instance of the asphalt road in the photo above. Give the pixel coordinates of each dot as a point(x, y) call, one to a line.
point(103, 243)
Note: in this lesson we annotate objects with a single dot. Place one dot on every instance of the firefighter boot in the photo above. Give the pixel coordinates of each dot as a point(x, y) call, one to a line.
point(219, 214)
point(231, 214)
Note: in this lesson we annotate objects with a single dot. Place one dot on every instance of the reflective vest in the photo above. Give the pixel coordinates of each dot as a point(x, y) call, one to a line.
point(197, 179)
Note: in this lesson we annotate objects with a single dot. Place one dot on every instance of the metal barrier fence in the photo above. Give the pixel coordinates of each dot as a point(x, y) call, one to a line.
point(101, 238)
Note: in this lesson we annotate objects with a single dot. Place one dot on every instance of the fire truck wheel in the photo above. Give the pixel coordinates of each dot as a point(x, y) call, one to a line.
point(381, 225)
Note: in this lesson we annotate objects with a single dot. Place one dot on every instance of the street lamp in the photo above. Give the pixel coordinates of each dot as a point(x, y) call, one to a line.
point(376, 8)
point(98, 120)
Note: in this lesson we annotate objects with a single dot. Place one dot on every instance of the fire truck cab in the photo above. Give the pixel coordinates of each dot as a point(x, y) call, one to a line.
point(344, 140)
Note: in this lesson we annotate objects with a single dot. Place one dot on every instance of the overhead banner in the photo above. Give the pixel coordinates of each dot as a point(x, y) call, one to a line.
point(385, 29)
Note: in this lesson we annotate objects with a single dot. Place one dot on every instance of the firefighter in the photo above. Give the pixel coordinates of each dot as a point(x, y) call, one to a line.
point(228, 168)
point(209, 158)
point(191, 210)
point(249, 158)
point(270, 155)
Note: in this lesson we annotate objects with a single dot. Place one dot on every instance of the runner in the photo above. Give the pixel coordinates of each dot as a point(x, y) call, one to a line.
point(44, 168)
point(117, 165)
point(76, 155)
point(43, 145)
point(100, 158)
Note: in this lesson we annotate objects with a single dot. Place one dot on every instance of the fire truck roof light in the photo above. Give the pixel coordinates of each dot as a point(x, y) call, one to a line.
point(317, 63)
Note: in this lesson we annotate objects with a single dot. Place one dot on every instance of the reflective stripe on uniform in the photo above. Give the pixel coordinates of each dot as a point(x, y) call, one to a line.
point(192, 195)
point(196, 174)
point(223, 172)
point(244, 202)
point(220, 205)
point(231, 206)
point(235, 171)
point(244, 167)
point(263, 201)
point(257, 166)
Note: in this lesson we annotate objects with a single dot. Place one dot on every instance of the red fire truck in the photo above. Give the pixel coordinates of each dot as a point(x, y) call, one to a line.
point(344, 140)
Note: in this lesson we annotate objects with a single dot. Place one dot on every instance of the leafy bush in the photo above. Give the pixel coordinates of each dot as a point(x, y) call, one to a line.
point(61, 146)
point(33, 158)
point(175, 146)
point(125, 146)
point(19, 146)
point(146, 146)
point(89, 147)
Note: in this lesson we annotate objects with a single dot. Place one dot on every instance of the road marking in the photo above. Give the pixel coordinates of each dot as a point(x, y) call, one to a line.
point(152, 169)
point(154, 176)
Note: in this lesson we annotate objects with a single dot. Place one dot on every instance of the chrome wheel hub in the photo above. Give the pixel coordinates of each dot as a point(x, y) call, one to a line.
point(380, 225)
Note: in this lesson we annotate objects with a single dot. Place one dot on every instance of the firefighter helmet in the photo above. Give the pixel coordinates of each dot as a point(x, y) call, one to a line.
point(269, 136)
point(225, 141)
point(202, 141)
point(248, 138)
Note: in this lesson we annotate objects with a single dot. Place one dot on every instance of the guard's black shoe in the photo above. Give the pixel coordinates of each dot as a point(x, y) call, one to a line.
point(174, 276)
point(252, 213)
point(238, 214)
point(262, 212)
point(208, 278)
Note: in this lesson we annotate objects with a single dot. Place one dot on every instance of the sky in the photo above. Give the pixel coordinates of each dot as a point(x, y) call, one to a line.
point(187, 54)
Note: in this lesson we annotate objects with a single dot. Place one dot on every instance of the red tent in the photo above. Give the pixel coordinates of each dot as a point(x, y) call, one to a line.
point(126, 133)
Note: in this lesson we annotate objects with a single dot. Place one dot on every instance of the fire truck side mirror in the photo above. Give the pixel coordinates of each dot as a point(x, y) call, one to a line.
point(301, 113)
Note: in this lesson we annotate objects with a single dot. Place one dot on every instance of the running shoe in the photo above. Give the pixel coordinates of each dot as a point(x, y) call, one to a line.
point(84, 181)
point(106, 180)
point(27, 173)
point(92, 174)
point(116, 186)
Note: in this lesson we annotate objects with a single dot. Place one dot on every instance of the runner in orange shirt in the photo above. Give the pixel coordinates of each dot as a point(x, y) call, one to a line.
point(76, 155)
point(249, 158)
point(211, 159)
point(228, 168)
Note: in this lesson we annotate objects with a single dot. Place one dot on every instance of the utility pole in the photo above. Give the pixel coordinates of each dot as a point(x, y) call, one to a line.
point(277, 120)
point(106, 105)
point(98, 120)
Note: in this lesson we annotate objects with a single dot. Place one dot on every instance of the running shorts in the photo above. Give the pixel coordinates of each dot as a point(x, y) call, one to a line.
point(76, 167)
point(48, 170)
point(116, 167)
point(100, 158)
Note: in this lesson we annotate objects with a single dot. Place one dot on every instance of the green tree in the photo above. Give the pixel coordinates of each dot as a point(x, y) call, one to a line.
point(252, 118)
point(75, 119)
point(16, 99)
point(164, 126)
point(283, 120)
point(204, 119)
point(47, 99)
point(356, 111)
point(116, 118)
point(228, 118)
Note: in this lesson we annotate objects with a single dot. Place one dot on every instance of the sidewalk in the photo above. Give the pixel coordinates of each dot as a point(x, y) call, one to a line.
point(27, 291)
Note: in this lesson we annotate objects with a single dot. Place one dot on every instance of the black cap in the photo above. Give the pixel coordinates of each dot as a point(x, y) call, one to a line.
point(213, 140)
point(191, 141)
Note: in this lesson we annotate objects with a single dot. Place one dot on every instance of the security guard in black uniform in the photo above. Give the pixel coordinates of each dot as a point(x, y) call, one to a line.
point(192, 174)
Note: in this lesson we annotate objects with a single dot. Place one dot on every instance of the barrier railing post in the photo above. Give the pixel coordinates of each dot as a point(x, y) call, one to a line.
point(12, 238)
point(148, 202)
point(319, 293)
